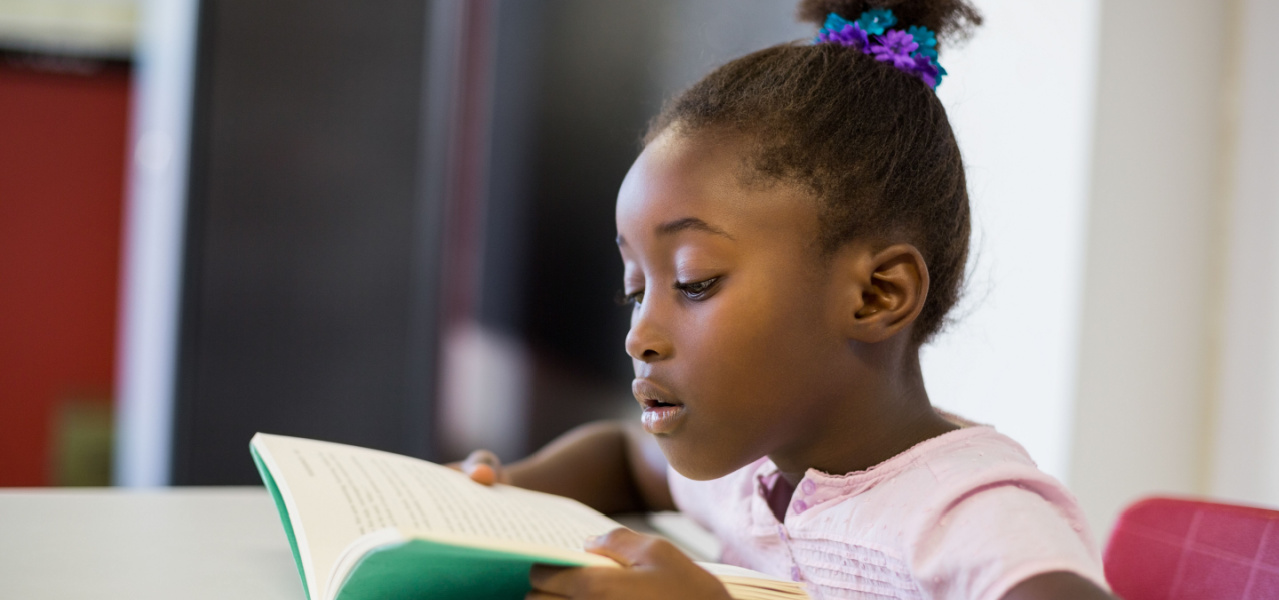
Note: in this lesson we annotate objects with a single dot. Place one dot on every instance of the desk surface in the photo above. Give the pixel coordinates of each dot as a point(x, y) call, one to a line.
point(190, 543)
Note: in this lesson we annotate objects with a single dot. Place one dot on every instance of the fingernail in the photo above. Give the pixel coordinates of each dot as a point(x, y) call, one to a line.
point(592, 539)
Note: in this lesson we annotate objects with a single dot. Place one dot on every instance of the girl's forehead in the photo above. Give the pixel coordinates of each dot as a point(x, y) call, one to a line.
point(680, 177)
point(677, 169)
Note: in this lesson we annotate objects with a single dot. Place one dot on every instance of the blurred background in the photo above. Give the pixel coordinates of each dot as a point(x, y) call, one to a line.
point(390, 224)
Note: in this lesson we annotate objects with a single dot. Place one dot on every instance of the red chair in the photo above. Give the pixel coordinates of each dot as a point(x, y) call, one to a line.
point(1174, 549)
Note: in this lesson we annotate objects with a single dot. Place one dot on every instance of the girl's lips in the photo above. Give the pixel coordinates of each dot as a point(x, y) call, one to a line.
point(662, 419)
point(662, 413)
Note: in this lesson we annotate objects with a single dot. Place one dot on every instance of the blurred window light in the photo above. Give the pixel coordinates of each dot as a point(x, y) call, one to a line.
point(155, 217)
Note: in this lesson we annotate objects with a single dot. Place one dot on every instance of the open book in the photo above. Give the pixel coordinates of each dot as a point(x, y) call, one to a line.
point(370, 524)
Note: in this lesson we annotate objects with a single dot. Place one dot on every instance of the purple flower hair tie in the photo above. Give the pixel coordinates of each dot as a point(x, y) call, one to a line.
point(911, 51)
point(850, 35)
point(896, 46)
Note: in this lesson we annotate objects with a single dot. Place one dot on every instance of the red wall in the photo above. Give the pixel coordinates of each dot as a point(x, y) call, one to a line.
point(62, 164)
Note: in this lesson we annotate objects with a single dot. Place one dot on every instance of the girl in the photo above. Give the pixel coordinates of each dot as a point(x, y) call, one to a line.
point(794, 229)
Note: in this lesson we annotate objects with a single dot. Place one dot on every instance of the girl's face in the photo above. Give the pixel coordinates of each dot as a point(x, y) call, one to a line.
point(735, 335)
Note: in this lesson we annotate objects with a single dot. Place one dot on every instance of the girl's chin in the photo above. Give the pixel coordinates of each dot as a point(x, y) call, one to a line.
point(696, 463)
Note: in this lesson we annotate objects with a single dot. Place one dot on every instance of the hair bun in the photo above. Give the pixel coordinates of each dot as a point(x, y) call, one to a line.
point(949, 19)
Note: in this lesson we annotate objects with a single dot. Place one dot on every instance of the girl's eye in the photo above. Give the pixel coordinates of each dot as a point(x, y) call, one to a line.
point(631, 299)
point(698, 289)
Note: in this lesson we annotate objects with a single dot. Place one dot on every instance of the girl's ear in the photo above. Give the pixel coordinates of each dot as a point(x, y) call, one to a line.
point(887, 289)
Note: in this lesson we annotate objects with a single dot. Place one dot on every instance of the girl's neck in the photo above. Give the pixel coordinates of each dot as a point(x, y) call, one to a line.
point(882, 417)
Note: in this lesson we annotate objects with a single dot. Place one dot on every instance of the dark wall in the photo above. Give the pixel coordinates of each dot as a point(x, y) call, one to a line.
point(596, 98)
point(317, 273)
point(575, 88)
point(303, 301)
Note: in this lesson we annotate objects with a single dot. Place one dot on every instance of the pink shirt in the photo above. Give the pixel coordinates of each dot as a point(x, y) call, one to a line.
point(963, 515)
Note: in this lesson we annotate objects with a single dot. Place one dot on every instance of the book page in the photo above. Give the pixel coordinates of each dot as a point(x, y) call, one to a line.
point(339, 493)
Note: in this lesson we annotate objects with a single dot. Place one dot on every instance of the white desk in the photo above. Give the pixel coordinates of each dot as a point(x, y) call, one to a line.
point(175, 543)
point(180, 543)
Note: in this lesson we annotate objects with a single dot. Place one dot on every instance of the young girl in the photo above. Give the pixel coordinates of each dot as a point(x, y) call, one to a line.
point(795, 228)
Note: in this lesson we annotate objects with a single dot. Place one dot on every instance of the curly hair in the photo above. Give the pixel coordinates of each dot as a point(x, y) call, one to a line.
point(871, 143)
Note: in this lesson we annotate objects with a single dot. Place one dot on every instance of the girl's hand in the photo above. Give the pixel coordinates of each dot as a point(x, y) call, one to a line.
point(654, 568)
point(483, 467)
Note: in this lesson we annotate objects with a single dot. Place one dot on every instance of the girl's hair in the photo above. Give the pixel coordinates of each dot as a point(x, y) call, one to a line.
point(872, 143)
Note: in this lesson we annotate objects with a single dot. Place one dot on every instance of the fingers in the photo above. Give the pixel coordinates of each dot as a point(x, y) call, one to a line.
point(550, 581)
point(483, 467)
point(653, 568)
point(484, 474)
point(632, 549)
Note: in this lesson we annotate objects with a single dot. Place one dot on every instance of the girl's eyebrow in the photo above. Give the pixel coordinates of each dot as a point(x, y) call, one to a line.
point(694, 223)
point(687, 223)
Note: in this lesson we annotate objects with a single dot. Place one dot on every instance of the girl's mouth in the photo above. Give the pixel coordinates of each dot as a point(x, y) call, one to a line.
point(662, 414)
point(654, 403)
point(660, 417)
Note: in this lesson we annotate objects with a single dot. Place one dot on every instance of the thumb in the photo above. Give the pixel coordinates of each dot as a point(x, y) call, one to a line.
point(483, 467)
point(632, 549)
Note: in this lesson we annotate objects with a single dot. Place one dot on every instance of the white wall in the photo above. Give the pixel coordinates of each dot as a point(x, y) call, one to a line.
point(1146, 350)
point(1245, 431)
point(1021, 108)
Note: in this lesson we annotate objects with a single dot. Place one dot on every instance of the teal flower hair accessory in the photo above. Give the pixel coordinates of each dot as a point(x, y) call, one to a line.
point(912, 50)
point(876, 20)
point(926, 39)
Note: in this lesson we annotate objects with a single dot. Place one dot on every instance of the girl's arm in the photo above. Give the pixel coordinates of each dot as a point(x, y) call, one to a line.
point(1057, 586)
point(611, 466)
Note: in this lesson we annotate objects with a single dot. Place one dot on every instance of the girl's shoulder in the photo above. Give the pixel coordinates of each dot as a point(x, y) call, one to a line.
point(974, 451)
point(968, 508)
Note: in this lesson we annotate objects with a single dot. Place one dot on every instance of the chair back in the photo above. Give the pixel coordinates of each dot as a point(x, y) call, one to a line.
point(1181, 549)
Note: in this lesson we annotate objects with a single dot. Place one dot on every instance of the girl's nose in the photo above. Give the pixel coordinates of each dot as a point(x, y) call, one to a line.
point(646, 340)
